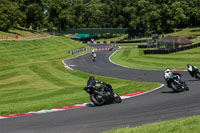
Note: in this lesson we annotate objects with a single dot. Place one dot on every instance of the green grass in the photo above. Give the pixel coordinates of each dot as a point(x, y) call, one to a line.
point(186, 32)
point(135, 58)
point(136, 43)
point(196, 40)
point(128, 46)
point(32, 76)
point(184, 125)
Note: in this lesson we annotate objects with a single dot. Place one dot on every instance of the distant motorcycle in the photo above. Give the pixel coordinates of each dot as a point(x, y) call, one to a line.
point(111, 48)
point(194, 71)
point(177, 84)
point(99, 96)
point(94, 57)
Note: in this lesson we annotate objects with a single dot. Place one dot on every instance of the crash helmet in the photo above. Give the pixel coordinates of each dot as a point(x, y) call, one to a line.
point(168, 70)
point(188, 65)
point(92, 77)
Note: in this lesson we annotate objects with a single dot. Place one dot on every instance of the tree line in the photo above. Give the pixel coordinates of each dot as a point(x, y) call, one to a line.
point(146, 16)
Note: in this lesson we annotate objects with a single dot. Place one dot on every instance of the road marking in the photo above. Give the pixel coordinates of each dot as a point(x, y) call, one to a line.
point(71, 65)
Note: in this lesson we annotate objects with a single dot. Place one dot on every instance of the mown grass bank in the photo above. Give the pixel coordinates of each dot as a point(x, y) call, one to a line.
point(184, 125)
point(32, 76)
point(186, 32)
point(23, 34)
point(136, 58)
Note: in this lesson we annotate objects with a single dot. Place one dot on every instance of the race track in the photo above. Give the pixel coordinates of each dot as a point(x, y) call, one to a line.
point(159, 105)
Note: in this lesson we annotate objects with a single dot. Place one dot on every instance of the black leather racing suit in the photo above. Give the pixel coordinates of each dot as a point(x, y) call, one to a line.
point(91, 84)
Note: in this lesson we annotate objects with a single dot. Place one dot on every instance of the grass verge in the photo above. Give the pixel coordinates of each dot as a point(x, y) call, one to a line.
point(136, 58)
point(184, 125)
point(32, 76)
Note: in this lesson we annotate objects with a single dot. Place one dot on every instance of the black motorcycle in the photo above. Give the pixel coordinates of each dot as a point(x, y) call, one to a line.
point(100, 95)
point(93, 58)
point(111, 48)
point(195, 73)
point(177, 84)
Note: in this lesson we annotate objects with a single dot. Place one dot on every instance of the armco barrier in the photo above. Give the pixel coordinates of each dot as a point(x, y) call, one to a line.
point(108, 42)
point(168, 51)
point(78, 50)
point(101, 42)
point(146, 46)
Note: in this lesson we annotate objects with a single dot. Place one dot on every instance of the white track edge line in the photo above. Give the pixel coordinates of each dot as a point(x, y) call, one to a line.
point(65, 64)
point(125, 97)
point(3, 117)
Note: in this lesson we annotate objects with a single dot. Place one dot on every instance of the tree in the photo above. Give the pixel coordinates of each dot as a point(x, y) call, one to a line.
point(142, 15)
point(66, 18)
point(34, 12)
point(10, 15)
point(93, 15)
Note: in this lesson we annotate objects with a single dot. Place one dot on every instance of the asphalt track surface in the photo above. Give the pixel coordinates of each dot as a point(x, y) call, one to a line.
point(156, 106)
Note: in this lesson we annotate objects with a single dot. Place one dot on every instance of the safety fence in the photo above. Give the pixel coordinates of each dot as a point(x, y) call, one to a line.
point(146, 46)
point(99, 42)
point(78, 50)
point(112, 42)
point(168, 51)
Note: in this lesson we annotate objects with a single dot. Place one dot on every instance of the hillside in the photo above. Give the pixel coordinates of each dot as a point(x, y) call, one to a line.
point(23, 34)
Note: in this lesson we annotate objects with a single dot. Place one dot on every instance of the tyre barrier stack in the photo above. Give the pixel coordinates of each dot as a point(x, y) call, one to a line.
point(168, 51)
point(107, 48)
point(78, 50)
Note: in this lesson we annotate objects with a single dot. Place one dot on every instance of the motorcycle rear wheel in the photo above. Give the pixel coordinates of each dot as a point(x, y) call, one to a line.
point(97, 100)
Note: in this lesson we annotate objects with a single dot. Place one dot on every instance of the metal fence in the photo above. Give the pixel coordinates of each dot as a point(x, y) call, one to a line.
point(78, 50)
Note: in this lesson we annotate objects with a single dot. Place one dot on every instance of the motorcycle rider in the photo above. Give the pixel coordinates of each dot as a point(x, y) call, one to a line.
point(91, 84)
point(168, 74)
point(111, 48)
point(94, 55)
point(192, 69)
point(93, 52)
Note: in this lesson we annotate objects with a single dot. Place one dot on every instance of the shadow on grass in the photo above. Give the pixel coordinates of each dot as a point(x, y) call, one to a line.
point(33, 31)
point(15, 33)
point(22, 29)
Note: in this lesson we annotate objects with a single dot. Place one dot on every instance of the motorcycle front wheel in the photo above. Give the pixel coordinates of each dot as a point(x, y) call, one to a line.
point(175, 87)
point(97, 99)
point(117, 98)
point(197, 75)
